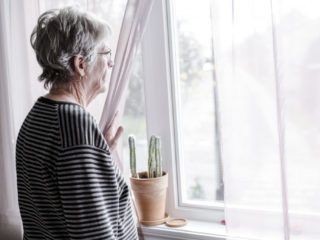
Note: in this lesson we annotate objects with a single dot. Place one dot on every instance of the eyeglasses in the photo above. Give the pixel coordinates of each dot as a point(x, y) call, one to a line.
point(108, 54)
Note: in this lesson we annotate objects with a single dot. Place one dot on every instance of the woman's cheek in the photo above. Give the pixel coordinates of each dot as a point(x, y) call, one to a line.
point(102, 81)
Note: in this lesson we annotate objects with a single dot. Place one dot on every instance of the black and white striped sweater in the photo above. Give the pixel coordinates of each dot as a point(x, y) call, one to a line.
point(68, 185)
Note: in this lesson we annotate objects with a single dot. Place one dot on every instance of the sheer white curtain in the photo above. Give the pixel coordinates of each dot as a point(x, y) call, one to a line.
point(267, 56)
point(133, 25)
point(16, 90)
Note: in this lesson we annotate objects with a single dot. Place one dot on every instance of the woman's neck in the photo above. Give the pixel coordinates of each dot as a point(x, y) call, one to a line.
point(66, 96)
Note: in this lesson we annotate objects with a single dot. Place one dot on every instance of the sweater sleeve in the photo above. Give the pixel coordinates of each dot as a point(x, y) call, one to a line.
point(93, 195)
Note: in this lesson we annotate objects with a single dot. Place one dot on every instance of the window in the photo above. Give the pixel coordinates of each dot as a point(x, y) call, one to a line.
point(171, 93)
point(181, 106)
point(200, 161)
point(134, 118)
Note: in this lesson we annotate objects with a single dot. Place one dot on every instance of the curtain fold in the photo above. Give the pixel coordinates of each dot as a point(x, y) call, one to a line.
point(15, 102)
point(280, 120)
point(133, 25)
point(267, 66)
point(8, 197)
point(18, 91)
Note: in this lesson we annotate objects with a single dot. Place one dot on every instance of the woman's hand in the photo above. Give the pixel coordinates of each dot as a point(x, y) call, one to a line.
point(111, 138)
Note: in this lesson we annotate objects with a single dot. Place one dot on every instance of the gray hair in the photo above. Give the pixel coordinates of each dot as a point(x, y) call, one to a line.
point(62, 34)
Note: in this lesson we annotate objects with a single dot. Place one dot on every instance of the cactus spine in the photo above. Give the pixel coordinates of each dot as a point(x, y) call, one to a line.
point(132, 148)
point(151, 156)
point(158, 157)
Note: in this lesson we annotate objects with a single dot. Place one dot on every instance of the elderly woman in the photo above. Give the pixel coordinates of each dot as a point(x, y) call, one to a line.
point(68, 185)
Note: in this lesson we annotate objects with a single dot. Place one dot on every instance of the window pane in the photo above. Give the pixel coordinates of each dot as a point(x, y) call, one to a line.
point(134, 117)
point(200, 161)
point(51, 4)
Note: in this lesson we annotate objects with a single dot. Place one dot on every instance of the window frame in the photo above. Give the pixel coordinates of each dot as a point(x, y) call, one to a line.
point(162, 116)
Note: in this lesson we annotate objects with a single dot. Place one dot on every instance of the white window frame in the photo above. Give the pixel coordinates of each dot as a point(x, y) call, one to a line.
point(161, 99)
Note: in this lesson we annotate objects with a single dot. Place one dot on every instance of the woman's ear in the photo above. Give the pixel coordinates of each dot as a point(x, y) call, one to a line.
point(79, 65)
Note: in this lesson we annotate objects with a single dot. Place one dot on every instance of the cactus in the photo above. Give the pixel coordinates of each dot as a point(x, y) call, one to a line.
point(132, 156)
point(158, 157)
point(151, 156)
point(154, 159)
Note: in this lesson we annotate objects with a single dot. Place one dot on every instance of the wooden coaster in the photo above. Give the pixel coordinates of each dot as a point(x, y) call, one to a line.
point(176, 222)
point(156, 222)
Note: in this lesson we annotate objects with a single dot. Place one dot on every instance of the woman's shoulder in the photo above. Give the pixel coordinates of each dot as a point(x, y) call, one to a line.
point(79, 127)
point(76, 125)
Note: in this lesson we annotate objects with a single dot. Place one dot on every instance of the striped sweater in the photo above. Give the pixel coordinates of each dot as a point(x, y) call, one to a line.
point(68, 185)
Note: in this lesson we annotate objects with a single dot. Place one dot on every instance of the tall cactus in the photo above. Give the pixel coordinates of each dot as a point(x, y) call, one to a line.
point(132, 148)
point(151, 156)
point(158, 157)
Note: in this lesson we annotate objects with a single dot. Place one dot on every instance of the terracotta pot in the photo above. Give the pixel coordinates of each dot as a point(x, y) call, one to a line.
point(150, 198)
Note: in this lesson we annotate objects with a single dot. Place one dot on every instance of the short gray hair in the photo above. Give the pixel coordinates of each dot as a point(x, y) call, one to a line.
point(62, 34)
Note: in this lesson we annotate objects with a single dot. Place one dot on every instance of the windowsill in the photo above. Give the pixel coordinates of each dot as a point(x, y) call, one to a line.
point(193, 230)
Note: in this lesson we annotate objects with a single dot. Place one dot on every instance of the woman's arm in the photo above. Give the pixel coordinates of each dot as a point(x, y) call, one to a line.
point(92, 199)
